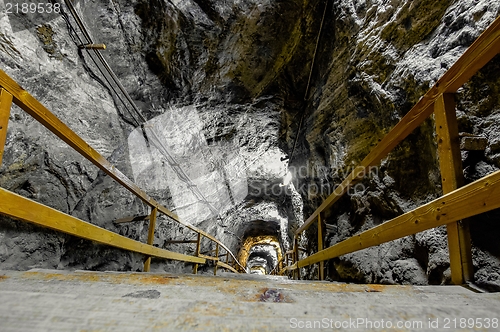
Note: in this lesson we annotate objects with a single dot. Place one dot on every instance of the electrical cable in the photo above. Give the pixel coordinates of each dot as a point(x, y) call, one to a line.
point(84, 30)
point(157, 142)
point(305, 96)
point(68, 23)
point(160, 147)
point(309, 81)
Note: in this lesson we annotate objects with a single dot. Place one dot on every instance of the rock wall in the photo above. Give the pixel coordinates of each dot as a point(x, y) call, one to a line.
point(226, 86)
point(40, 52)
point(376, 59)
point(196, 70)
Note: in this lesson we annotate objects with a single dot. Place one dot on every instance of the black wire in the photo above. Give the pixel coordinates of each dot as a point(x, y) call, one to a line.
point(84, 30)
point(181, 174)
point(309, 82)
point(179, 171)
point(68, 23)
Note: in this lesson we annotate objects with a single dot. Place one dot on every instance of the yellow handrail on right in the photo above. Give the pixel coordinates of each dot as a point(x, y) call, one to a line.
point(475, 57)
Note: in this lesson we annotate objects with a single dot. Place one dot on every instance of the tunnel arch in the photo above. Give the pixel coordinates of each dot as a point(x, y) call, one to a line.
point(262, 252)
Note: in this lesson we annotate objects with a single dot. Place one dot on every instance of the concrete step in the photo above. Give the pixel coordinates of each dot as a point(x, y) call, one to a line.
point(49, 300)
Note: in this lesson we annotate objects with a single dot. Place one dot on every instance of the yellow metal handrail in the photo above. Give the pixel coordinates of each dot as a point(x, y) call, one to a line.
point(438, 100)
point(25, 209)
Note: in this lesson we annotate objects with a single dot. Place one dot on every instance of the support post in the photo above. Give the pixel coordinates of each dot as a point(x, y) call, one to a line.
point(151, 236)
point(321, 274)
point(197, 253)
point(5, 105)
point(280, 265)
point(216, 255)
point(296, 257)
point(450, 161)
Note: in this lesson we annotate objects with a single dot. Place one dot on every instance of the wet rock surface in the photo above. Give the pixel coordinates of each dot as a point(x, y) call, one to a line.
point(224, 83)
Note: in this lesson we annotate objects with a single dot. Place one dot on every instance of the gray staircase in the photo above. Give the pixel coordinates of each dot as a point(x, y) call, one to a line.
point(49, 300)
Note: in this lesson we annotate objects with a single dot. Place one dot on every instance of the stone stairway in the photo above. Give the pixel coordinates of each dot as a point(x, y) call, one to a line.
point(50, 300)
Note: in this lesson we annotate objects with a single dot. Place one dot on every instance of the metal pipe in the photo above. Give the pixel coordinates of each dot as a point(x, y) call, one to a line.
point(92, 46)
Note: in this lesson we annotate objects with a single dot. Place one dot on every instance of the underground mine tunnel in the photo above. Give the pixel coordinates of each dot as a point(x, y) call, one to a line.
point(241, 119)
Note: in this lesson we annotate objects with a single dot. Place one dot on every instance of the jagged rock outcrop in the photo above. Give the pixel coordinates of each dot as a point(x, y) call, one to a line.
point(226, 84)
point(376, 60)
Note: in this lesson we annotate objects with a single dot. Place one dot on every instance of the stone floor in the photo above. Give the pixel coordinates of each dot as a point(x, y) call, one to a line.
point(46, 300)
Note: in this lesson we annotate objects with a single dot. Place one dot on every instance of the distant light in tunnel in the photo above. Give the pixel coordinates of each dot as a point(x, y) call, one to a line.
point(261, 253)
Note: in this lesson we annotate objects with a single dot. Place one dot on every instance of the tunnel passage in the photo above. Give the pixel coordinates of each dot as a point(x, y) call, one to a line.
point(263, 257)
point(261, 249)
point(260, 254)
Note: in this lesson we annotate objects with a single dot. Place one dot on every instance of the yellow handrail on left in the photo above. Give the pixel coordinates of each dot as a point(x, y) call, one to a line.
point(11, 91)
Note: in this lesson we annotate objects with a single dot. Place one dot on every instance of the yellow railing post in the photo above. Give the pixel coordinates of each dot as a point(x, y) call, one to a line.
point(216, 255)
point(151, 236)
point(296, 257)
point(321, 274)
point(197, 253)
point(450, 162)
point(280, 265)
point(5, 105)
point(18, 207)
point(476, 196)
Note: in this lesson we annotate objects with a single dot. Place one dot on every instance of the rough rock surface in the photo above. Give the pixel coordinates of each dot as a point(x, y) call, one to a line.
point(376, 59)
point(189, 74)
point(225, 86)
